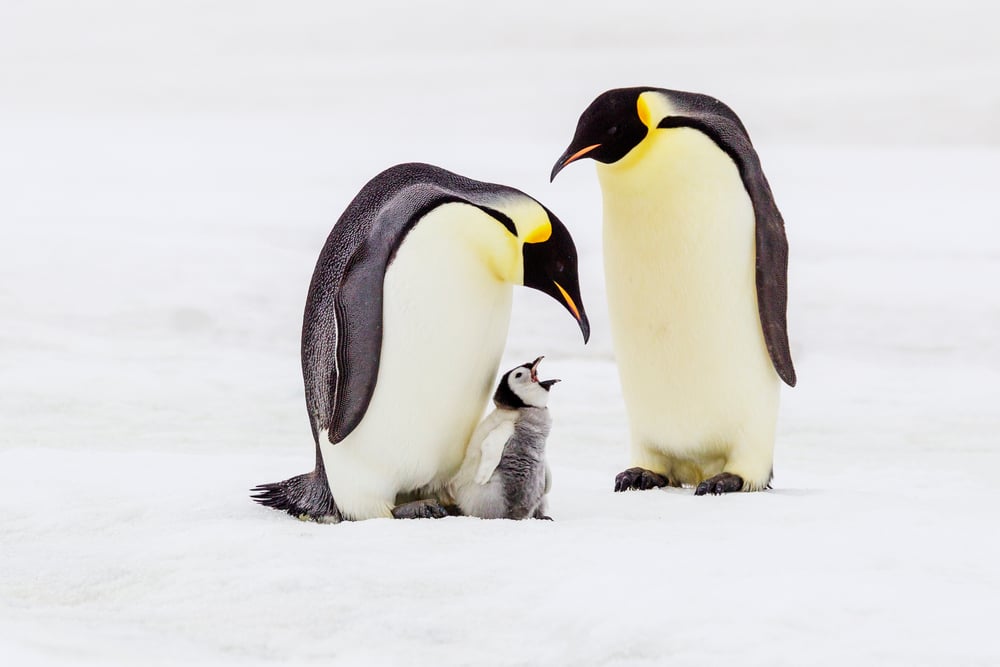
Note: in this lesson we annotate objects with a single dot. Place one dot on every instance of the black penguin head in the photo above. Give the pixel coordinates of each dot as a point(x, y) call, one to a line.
point(520, 388)
point(608, 129)
point(550, 266)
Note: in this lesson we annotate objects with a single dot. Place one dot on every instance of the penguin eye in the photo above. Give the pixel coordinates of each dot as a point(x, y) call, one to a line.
point(613, 130)
point(518, 375)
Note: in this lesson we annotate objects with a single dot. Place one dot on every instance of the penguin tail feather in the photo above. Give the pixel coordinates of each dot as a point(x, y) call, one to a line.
point(305, 497)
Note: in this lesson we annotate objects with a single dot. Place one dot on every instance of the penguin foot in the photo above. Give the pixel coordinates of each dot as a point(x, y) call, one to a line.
point(306, 497)
point(420, 509)
point(725, 482)
point(639, 478)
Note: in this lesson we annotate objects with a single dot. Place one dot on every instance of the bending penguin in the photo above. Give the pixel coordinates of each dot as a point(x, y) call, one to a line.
point(504, 474)
point(404, 326)
point(695, 260)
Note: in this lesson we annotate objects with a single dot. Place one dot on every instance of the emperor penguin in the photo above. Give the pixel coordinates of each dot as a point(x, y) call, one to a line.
point(695, 261)
point(504, 474)
point(404, 326)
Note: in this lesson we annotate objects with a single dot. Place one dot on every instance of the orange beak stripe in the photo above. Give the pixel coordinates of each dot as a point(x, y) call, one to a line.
point(569, 301)
point(579, 154)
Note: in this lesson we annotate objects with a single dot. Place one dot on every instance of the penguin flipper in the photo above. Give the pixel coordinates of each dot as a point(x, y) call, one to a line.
point(716, 120)
point(771, 274)
point(491, 450)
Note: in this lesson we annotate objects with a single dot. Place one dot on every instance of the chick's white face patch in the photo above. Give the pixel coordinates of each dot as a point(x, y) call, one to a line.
point(525, 386)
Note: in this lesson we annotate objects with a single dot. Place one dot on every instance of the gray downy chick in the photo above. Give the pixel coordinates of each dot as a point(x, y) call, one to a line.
point(504, 474)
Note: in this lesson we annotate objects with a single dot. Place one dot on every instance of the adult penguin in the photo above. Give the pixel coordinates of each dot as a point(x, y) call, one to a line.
point(404, 327)
point(695, 261)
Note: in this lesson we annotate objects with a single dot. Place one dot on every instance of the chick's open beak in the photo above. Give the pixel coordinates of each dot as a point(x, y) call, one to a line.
point(533, 369)
point(546, 384)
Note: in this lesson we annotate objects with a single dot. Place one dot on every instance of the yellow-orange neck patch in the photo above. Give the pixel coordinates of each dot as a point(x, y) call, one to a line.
point(539, 234)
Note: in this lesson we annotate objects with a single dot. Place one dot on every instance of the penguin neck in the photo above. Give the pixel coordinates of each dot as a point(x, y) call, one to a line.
point(682, 209)
point(474, 238)
point(507, 406)
point(679, 169)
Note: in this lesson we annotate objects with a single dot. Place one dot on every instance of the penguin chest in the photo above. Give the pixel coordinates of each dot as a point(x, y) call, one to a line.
point(446, 311)
point(680, 265)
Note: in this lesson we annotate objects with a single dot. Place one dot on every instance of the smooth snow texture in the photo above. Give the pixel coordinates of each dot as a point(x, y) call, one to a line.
point(168, 174)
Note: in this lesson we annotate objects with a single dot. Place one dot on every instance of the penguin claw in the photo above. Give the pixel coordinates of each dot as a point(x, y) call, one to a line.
point(420, 509)
point(725, 482)
point(640, 479)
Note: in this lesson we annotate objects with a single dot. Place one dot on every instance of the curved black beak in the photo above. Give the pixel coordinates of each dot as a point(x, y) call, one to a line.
point(572, 154)
point(550, 266)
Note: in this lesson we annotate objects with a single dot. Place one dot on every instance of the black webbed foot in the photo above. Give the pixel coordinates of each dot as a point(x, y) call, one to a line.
point(640, 479)
point(725, 482)
point(420, 509)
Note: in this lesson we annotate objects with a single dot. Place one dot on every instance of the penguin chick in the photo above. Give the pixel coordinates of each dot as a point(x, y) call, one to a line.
point(504, 474)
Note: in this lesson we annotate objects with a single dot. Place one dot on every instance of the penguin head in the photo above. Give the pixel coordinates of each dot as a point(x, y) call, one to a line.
point(614, 123)
point(520, 388)
point(548, 254)
point(550, 266)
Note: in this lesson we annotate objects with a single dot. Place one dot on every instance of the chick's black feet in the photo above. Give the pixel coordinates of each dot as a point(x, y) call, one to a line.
point(640, 479)
point(725, 482)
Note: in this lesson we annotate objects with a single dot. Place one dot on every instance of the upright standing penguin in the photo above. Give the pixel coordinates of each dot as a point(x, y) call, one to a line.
point(695, 258)
point(404, 327)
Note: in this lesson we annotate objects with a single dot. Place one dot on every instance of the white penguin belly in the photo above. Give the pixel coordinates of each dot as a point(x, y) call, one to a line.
point(446, 313)
point(679, 250)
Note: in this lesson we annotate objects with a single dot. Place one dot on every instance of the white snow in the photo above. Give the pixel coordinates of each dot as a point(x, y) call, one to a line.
point(168, 174)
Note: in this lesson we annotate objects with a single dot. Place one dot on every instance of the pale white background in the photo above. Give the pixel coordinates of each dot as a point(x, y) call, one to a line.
point(168, 174)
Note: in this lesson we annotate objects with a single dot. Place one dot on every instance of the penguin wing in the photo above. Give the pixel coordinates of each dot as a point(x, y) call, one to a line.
point(342, 325)
point(772, 262)
point(491, 450)
point(724, 127)
point(342, 328)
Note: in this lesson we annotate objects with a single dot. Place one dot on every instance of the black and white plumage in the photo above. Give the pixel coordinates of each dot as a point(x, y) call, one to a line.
point(695, 260)
point(504, 474)
point(404, 326)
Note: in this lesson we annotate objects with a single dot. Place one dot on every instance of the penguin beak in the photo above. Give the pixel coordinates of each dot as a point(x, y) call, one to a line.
point(545, 384)
point(550, 266)
point(533, 368)
point(572, 154)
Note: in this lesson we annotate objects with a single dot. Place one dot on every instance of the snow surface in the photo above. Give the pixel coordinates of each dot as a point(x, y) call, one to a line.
point(168, 174)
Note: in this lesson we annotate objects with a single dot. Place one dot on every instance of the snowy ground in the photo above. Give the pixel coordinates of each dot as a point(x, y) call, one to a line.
point(168, 173)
